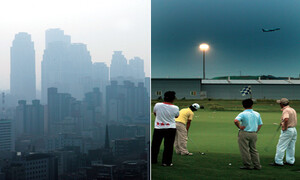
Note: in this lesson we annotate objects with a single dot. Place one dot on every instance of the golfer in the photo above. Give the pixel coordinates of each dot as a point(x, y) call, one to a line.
point(164, 128)
point(249, 123)
point(183, 123)
point(288, 136)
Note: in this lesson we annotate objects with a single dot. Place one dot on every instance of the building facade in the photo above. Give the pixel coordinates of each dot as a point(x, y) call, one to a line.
point(225, 89)
point(22, 67)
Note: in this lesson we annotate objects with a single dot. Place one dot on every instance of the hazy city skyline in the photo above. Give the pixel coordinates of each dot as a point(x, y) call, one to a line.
point(104, 27)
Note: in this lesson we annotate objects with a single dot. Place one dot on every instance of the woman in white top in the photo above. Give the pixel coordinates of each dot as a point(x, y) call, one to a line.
point(164, 128)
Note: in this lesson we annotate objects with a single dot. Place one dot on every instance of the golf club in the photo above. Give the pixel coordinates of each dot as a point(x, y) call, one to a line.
point(194, 144)
point(270, 142)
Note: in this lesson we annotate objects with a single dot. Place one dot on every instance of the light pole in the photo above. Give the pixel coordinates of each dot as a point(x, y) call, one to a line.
point(204, 47)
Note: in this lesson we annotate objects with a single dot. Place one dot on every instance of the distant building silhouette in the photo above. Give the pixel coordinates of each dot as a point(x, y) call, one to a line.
point(91, 109)
point(56, 35)
point(136, 69)
point(65, 65)
point(22, 67)
point(118, 66)
point(107, 147)
point(7, 139)
point(29, 119)
point(100, 75)
point(127, 103)
point(60, 106)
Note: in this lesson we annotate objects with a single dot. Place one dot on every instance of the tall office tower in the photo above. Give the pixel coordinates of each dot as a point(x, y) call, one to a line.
point(61, 106)
point(56, 35)
point(22, 69)
point(100, 73)
point(91, 109)
point(65, 65)
point(118, 66)
point(136, 69)
point(7, 140)
point(40, 166)
point(127, 103)
point(29, 119)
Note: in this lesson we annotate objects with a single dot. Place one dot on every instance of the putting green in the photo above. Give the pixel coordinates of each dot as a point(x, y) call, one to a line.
point(214, 133)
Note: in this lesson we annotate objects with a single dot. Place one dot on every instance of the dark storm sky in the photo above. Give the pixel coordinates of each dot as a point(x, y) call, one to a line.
point(232, 28)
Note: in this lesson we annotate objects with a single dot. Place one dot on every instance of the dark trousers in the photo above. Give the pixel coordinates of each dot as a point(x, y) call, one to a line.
point(169, 136)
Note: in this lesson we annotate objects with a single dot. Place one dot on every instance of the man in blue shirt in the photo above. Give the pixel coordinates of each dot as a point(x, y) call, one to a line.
point(249, 123)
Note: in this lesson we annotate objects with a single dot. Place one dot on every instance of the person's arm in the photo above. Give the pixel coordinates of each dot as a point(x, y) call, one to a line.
point(285, 124)
point(260, 123)
point(237, 123)
point(258, 128)
point(154, 110)
point(188, 124)
point(177, 113)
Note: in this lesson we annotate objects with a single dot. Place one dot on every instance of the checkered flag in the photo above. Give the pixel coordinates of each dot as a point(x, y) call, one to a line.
point(246, 90)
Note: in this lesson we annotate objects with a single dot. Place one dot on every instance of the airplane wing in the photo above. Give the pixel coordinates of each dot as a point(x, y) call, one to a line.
point(270, 30)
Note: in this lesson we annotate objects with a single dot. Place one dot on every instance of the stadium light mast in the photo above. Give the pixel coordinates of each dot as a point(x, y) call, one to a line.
point(204, 47)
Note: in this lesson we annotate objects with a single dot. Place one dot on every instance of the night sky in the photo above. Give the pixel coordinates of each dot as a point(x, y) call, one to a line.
point(233, 29)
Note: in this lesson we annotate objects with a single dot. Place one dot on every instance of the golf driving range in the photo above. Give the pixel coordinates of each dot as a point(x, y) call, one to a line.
point(213, 141)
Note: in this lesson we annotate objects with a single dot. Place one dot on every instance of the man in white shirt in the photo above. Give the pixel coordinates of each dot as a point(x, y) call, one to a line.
point(164, 128)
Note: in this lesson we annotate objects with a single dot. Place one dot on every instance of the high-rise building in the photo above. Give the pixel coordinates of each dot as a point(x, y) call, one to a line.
point(60, 106)
point(65, 65)
point(56, 35)
point(100, 76)
point(91, 108)
point(22, 69)
point(7, 140)
point(118, 66)
point(40, 166)
point(136, 69)
point(127, 102)
point(29, 119)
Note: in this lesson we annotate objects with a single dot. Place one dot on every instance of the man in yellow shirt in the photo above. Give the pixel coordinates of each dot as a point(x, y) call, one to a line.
point(183, 123)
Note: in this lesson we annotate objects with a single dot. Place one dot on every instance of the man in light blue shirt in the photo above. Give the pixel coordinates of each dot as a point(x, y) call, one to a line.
point(249, 123)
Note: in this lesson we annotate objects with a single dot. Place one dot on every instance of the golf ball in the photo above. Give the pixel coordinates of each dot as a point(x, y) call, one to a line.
point(229, 164)
point(202, 153)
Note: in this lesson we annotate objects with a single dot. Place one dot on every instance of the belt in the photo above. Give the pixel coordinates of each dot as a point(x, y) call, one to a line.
point(180, 122)
point(290, 127)
point(249, 131)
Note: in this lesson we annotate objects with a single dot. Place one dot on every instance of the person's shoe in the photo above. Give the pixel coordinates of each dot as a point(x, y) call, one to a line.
point(257, 168)
point(166, 165)
point(187, 154)
point(245, 168)
point(289, 164)
point(275, 164)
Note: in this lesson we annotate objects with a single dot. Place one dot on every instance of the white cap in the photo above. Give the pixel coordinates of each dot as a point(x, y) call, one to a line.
point(196, 106)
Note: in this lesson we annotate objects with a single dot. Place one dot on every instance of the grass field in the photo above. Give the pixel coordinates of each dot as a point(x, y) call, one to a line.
point(213, 132)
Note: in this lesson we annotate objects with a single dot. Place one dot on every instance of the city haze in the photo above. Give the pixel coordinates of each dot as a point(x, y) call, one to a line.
point(104, 26)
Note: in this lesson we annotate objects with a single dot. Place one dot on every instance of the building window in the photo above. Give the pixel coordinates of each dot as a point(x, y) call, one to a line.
point(193, 93)
point(158, 93)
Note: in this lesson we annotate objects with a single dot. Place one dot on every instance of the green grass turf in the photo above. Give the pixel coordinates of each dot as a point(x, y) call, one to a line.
point(214, 133)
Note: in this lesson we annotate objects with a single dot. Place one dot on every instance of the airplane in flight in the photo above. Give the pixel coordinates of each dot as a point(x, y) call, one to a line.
point(270, 30)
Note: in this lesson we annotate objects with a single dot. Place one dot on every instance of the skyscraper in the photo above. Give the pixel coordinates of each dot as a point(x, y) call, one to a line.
point(136, 69)
point(7, 141)
point(29, 119)
point(118, 67)
point(65, 65)
point(22, 69)
point(100, 73)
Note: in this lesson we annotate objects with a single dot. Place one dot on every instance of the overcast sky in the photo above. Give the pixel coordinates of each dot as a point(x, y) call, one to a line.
point(233, 29)
point(104, 25)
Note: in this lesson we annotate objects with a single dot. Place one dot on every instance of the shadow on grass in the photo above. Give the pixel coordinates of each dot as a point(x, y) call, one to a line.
point(220, 166)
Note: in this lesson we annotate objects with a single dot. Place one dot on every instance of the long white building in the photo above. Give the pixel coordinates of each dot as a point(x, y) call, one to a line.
point(225, 89)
